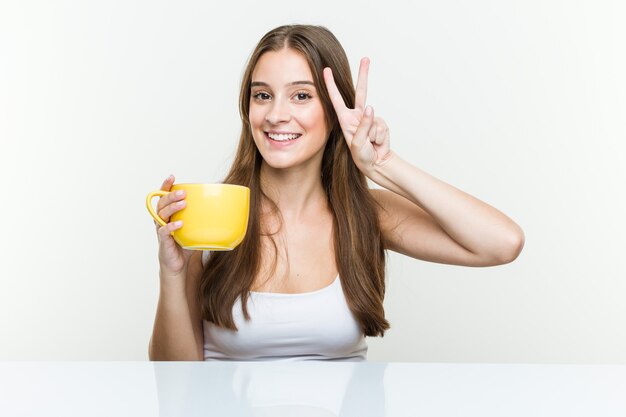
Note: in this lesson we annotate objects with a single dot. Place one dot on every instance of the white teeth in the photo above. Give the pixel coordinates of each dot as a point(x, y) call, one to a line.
point(283, 136)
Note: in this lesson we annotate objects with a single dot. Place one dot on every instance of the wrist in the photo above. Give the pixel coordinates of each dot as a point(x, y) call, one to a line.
point(171, 280)
point(381, 162)
point(379, 170)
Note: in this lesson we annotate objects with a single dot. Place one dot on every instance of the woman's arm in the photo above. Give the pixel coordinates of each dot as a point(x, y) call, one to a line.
point(422, 216)
point(177, 333)
point(426, 218)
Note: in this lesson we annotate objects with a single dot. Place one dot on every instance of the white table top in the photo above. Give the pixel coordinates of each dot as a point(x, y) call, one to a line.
point(307, 389)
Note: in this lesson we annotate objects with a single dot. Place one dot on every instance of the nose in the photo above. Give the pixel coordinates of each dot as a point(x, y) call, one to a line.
point(278, 112)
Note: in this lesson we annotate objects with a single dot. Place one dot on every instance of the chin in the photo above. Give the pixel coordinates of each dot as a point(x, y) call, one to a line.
point(278, 164)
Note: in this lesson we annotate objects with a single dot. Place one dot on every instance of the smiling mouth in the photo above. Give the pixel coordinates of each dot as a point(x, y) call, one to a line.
point(283, 137)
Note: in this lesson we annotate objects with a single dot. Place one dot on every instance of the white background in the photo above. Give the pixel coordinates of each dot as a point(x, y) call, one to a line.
point(520, 103)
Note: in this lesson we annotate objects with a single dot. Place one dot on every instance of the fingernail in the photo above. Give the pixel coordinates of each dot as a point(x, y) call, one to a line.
point(178, 223)
point(368, 111)
point(180, 193)
point(170, 178)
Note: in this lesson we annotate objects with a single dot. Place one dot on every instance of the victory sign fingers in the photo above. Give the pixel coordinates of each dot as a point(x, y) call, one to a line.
point(367, 136)
point(349, 119)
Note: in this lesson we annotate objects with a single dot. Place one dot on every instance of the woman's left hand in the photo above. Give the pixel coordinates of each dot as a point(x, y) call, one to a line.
point(367, 136)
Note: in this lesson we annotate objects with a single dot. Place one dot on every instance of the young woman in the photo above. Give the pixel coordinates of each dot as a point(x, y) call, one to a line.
point(308, 281)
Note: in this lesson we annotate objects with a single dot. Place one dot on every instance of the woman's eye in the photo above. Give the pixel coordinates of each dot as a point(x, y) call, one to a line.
point(261, 96)
point(302, 96)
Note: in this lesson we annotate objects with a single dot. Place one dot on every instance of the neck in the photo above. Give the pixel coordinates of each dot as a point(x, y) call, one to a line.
point(295, 192)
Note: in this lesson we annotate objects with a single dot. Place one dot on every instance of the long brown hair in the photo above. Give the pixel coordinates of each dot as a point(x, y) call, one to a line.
point(359, 249)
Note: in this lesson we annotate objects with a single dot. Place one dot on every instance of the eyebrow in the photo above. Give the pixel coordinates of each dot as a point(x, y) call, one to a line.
point(262, 84)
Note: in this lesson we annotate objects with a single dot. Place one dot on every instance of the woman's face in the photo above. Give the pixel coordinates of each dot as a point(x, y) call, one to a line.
point(286, 112)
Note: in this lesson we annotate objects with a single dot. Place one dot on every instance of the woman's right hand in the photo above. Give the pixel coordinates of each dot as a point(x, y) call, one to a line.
point(173, 258)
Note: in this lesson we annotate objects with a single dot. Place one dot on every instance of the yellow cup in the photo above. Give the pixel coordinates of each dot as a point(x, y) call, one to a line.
point(214, 218)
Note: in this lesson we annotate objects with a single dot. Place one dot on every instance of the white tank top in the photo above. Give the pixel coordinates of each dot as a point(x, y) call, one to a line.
point(315, 325)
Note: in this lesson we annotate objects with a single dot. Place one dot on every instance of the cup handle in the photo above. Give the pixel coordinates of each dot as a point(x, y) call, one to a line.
point(151, 209)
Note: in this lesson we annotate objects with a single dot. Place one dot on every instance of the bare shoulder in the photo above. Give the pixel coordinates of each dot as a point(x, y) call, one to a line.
point(395, 214)
point(410, 230)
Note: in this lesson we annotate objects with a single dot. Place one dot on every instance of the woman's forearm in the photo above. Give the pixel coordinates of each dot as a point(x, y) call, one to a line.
point(172, 336)
point(473, 224)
